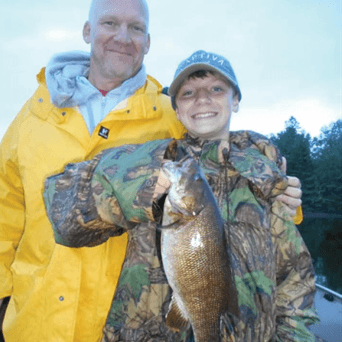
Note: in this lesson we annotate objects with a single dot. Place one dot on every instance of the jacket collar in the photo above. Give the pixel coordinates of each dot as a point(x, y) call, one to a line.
point(144, 99)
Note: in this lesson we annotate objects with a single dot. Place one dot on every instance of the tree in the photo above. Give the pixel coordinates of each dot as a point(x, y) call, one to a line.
point(327, 158)
point(295, 145)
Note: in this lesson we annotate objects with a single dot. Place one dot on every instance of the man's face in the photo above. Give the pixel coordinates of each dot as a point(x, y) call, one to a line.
point(205, 105)
point(117, 32)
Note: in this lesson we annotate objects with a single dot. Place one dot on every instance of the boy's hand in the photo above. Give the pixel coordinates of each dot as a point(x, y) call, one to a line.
point(162, 186)
point(293, 194)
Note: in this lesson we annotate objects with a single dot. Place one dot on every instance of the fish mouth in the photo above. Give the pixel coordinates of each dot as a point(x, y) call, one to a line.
point(184, 210)
point(204, 115)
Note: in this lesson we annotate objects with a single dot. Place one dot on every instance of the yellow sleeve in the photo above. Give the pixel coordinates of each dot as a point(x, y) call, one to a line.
point(298, 219)
point(12, 206)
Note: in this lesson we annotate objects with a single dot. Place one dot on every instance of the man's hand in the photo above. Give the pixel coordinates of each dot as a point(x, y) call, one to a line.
point(293, 194)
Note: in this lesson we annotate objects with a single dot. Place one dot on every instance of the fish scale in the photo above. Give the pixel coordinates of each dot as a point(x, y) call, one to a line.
point(194, 254)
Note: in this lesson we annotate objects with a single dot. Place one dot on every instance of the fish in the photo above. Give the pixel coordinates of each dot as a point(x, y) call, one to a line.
point(194, 254)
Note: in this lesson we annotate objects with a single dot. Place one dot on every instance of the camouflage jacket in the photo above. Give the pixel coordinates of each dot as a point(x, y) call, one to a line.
point(112, 193)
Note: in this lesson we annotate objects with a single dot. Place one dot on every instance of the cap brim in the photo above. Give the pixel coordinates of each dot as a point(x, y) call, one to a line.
point(188, 71)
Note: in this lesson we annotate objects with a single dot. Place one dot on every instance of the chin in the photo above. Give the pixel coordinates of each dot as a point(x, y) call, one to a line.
point(119, 69)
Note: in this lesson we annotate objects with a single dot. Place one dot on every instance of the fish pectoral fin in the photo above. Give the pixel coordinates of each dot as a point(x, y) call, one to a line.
point(175, 318)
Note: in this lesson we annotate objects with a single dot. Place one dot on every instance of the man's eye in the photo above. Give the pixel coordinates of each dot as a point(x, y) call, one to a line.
point(109, 23)
point(138, 29)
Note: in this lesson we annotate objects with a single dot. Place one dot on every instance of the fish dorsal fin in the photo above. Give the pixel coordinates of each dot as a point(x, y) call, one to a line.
point(174, 318)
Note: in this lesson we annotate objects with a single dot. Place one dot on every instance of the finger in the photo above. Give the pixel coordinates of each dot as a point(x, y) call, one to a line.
point(290, 202)
point(163, 180)
point(294, 181)
point(293, 192)
point(162, 186)
point(283, 165)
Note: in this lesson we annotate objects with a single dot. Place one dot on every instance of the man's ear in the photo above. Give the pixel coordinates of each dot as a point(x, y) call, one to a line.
point(86, 32)
point(236, 103)
point(147, 46)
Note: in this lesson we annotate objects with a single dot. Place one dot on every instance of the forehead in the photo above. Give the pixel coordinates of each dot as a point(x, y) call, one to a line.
point(209, 78)
point(126, 10)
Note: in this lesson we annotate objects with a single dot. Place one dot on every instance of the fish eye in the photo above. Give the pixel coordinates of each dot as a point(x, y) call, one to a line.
point(197, 177)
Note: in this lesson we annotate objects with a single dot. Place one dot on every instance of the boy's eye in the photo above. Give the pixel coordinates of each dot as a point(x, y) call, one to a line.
point(187, 93)
point(217, 89)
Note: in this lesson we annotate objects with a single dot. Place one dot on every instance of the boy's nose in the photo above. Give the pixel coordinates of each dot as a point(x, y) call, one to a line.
point(203, 95)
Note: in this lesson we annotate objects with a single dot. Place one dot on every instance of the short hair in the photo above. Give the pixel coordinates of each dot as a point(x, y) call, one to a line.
point(199, 74)
point(94, 4)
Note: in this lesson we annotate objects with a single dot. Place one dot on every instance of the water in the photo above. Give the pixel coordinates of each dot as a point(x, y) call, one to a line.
point(323, 236)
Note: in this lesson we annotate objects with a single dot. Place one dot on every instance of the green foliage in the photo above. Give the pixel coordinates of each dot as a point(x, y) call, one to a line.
point(317, 163)
point(295, 145)
point(327, 157)
point(323, 236)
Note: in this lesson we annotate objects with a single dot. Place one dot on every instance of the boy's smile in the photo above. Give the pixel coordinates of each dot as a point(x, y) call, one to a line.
point(204, 106)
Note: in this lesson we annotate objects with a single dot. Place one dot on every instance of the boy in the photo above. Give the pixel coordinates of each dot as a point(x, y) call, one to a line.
point(116, 191)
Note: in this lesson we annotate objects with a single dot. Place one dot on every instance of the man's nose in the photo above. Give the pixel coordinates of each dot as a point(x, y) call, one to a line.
point(122, 35)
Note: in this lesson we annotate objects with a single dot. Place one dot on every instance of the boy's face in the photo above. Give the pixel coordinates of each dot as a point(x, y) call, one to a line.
point(205, 105)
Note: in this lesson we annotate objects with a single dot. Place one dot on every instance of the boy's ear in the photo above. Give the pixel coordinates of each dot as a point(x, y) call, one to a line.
point(236, 103)
point(177, 113)
point(86, 32)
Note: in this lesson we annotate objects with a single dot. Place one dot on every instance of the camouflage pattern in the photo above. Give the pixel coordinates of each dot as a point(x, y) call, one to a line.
point(271, 264)
point(71, 207)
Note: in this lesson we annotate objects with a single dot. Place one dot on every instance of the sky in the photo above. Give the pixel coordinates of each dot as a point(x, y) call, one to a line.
point(287, 54)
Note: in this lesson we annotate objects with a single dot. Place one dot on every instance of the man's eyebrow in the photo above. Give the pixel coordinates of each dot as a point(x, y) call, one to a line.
point(115, 18)
point(108, 16)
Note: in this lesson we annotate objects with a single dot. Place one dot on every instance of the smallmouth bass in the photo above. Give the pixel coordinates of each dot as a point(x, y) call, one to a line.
point(194, 254)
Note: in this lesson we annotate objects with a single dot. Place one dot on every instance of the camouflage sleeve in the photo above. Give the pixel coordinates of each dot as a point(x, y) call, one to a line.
point(124, 182)
point(295, 280)
point(71, 208)
point(91, 201)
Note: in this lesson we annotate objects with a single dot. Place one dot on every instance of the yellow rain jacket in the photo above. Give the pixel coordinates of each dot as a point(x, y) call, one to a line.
point(60, 293)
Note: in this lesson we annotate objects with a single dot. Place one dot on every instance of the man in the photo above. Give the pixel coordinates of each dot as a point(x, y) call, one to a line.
point(59, 293)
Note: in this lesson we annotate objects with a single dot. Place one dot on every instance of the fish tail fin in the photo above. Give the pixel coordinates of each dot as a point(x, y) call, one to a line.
point(175, 318)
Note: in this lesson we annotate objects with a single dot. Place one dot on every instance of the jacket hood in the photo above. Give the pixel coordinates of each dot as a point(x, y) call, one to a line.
point(61, 74)
point(66, 78)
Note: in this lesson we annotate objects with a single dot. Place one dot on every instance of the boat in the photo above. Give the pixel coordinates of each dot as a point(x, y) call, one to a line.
point(329, 307)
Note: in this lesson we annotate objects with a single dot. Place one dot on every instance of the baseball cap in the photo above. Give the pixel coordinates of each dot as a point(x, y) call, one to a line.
point(202, 60)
